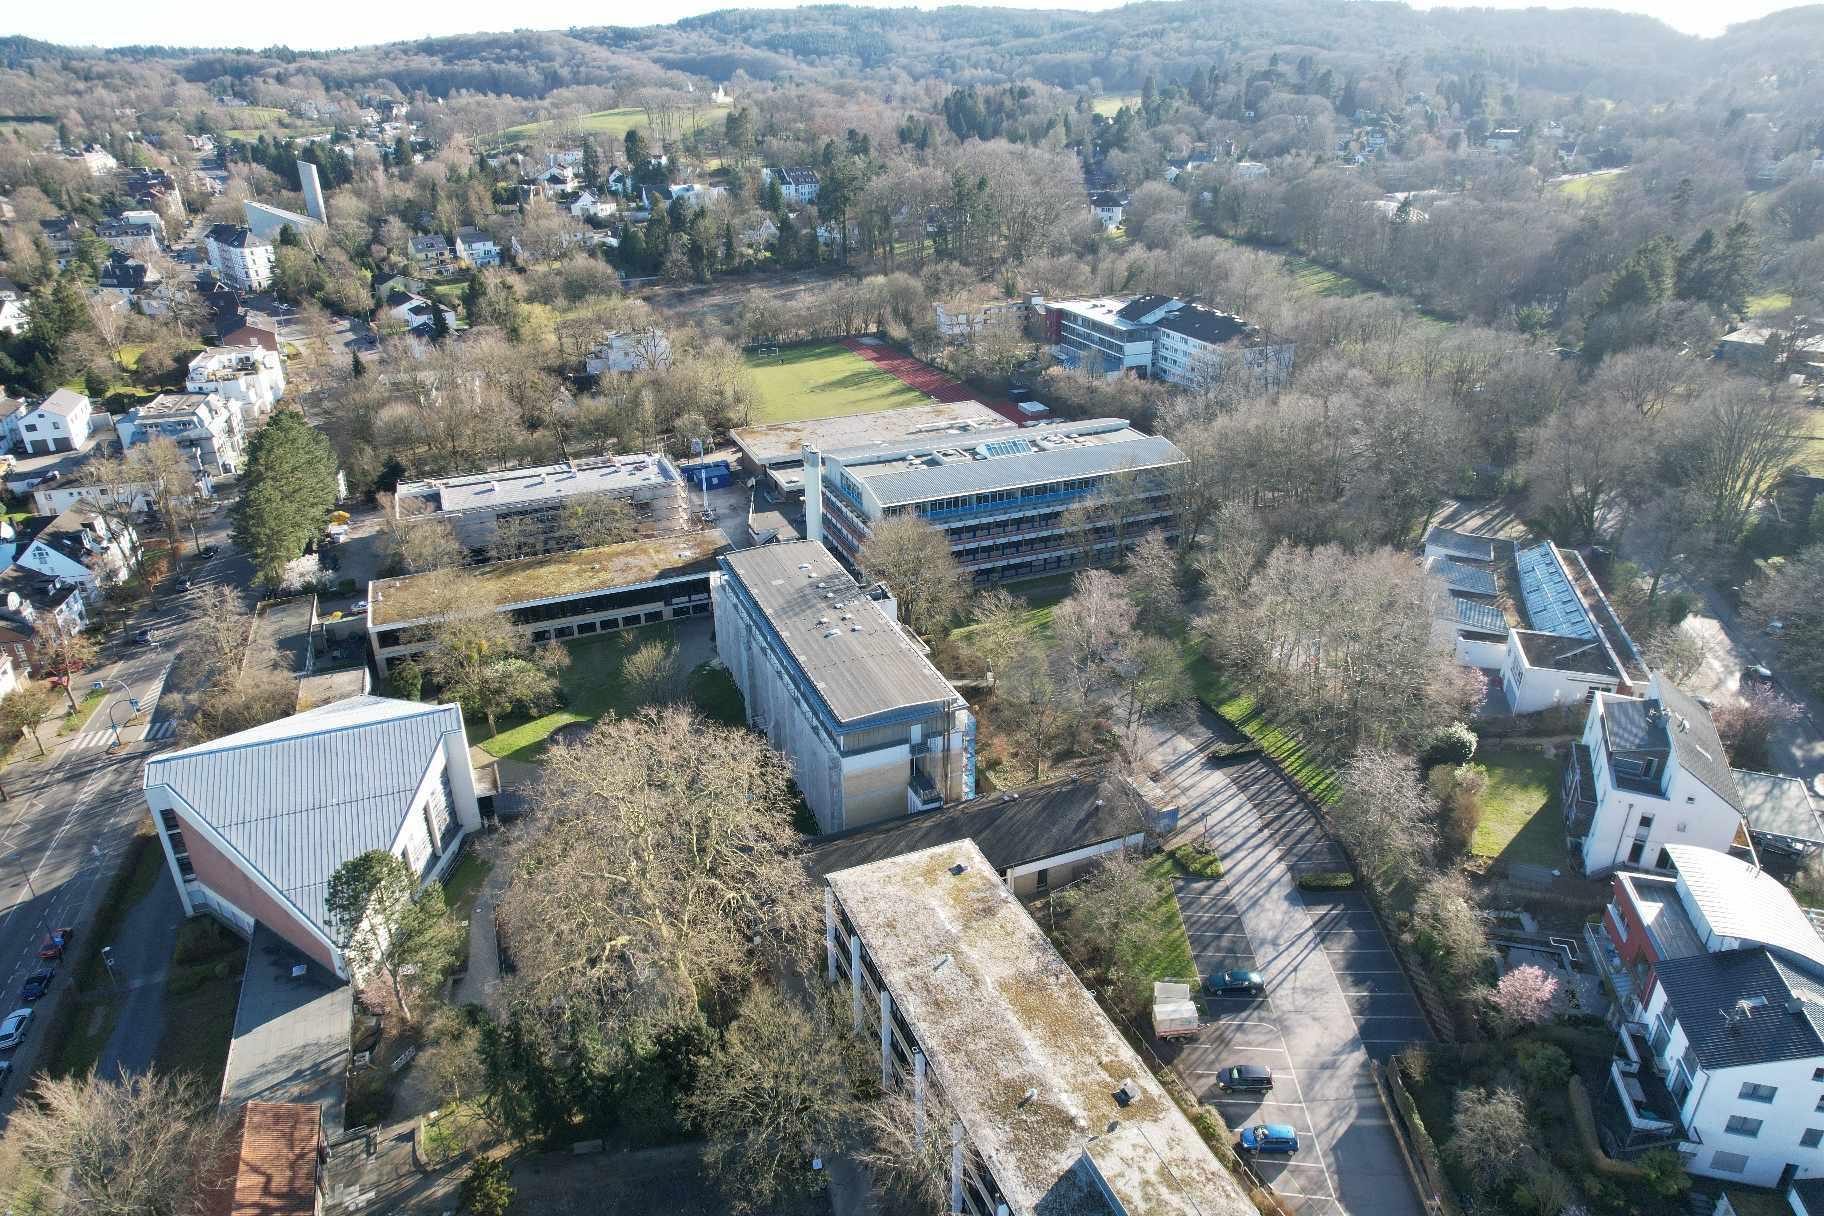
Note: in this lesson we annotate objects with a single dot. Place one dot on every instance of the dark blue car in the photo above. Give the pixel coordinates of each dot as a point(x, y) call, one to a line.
point(38, 983)
point(1269, 1138)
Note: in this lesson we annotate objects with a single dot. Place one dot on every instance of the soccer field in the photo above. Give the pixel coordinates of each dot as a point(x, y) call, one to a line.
point(826, 381)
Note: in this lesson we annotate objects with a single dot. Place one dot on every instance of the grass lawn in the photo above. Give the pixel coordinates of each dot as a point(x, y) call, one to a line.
point(613, 124)
point(1588, 189)
point(1241, 709)
point(824, 381)
point(1813, 455)
point(1109, 104)
point(73, 722)
point(1772, 302)
point(1165, 952)
point(1519, 814)
point(714, 692)
point(592, 688)
point(464, 883)
point(1322, 281)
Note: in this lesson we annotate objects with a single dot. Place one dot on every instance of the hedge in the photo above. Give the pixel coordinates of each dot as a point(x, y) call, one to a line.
point(1585, 1118)
point(1327, 880)
point(1199, 861)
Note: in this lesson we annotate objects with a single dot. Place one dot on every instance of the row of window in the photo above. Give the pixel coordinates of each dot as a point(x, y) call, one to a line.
point(1742, 1125)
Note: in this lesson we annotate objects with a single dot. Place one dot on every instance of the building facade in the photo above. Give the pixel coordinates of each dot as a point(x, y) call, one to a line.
point(240, 258)
point(1002, 498)
point(828, 675)
point(254, 824)
point(206, 426)
point(250, 375)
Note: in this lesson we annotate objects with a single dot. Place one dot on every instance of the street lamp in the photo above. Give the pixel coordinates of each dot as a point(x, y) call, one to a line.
point(132, 702)
point(29, 889)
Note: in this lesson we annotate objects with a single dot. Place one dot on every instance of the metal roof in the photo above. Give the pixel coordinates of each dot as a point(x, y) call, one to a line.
point(1744, 902)
point(1019, 1049)
point(1474, 614)
point(538, 483)
point(1778, 806)
point(298, 797)
point(857, 659)
point(1461, 544)
point(1459, 577)
point(1552, 603)
point(1034, 468)
point(1743, 1007)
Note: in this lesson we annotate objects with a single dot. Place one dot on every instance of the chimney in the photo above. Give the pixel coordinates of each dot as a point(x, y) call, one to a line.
point(813, 494)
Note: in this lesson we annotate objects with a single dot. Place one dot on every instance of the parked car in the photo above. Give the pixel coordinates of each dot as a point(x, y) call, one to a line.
point(185, 583)
point(56, 943)
point(144, 638)
point(1245, 1078)
point(210, 550)
point(1235, 983)
point(1754, 674)
point(12, 1031)
point(1269, 1138)
point(38, 983)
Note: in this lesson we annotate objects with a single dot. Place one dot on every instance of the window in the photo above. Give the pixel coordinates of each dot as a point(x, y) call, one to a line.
point(1820, 1106)
point(1728, 1163)
point(1742, 1125)
point(1813, 1137)
point(1635, 851)
point(1753, 1091)
point(1817, 1074)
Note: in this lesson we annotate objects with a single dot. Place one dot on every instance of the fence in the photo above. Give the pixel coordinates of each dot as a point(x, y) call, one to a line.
point(1416, 1144)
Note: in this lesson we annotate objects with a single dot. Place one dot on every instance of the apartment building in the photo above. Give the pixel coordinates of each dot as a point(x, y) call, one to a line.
point(207, 426)
point(533, 504)
point(797, 184)
point(250, 375)
point(1163, 337)
point(239, 258)
point(62, 422)
point(254, 824)
point(972, 1007)
point(1001, 496)
point(577, 593)
point(1717, 977)
point(834, 682)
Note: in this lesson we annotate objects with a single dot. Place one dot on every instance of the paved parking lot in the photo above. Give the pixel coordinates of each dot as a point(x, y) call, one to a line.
point(1335, 994)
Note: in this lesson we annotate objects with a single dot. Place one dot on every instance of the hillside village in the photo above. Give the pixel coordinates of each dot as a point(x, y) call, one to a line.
point(754, 616)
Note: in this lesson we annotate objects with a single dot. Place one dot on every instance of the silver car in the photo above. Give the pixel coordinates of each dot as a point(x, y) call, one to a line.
point(13, 1029)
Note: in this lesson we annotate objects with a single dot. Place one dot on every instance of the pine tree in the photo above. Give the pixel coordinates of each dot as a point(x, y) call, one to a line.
point(289, 489)
point(356, 368)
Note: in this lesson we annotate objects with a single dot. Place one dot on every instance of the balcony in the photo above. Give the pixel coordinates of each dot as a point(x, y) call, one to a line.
point(1579, 792)
point(1637, 1111)
point(1615, 975)
point(921, 794)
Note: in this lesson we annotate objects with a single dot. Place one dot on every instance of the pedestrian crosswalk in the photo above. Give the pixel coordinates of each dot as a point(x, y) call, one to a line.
point(165, 729)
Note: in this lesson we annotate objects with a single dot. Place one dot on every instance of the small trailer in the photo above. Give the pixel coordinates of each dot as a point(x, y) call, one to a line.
point(1174, 1013)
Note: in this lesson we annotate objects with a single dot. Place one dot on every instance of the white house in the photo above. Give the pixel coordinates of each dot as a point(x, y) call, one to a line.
point(207, 426)
point(59, 423)
point(1109, 207)
point(587, 206)
point(1646, 774)
point(241, 259)
point(1249, 170)
point(15, 315)
point(646, 350)
point(251, 375)
point(796, 185)
point(9, 675)
point(1718, 976)
point(79, 545)
point(361, 774)
point(477, 248)
point(124, 497)
point(414, 311)
point(1194, 346)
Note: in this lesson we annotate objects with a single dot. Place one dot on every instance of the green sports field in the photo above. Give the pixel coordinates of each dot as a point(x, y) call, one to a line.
point(825, 381)
point(609, 124)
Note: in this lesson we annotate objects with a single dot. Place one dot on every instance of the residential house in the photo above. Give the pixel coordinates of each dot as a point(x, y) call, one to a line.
point(415, 311)
point(1249, 170)
point(62, 422)
point(122, 272)
point(156, 189)
point(1717, 977)
point(577, 593)
point(797, 185)
point(644, 350)
point(588, 206)
point(30, 601)
point(1109, 207)
point(1051, 1107)
point(535, 499)
point(477, 248)
point(999, 496)
point(80, 545)
point(695, 194)
point(240, 330)
point(93, 157)
point(59, 234)
point(1504, 139)
point(251, 375)
point(430, 254)
point(15, 314)
point(207, 426)
point(254, 824)
point(1648, 773)
point(117, 499)
point(828, 674)
point(128, 238)
point(239, 258)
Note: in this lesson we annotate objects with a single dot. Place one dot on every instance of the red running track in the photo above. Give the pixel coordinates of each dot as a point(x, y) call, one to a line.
point(927, 379)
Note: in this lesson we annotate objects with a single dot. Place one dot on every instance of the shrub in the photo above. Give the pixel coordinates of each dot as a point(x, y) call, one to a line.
point(1195, 859)
point(1454, 744)
point(1677, 607)
point(1460, 788)
point(1543, 1191)
point(407, 680)
point(1523, 997)
point(1327, 880)
point(1491, 1132)
point(1543, 1066)
point(1665, 1173)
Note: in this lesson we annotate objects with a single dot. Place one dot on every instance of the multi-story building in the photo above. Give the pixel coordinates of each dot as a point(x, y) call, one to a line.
point(268, 222)
point(1717, 977)
point(30, 602)
point(254, 824)
point(250, 375)
point(796, 185)
point(976, 1014)
point(834, 682)
point(208, 426)
point(1194, 346)
point(477, 248)
point(1001, 497)
point(640, 351)
point(534, 501)
point(129, 238)
point(430, 252)
point(59, 423)
point(1110, 336)
point(575, 594)
point(241, 259)
point(79, 545)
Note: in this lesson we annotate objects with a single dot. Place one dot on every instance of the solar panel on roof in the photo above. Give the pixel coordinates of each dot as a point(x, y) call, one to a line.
point(1480, 616)
point(1460, 577)
point(1552, 604)
point(1007, 447)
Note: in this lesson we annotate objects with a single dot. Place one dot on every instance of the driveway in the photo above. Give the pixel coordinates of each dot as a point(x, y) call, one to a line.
point(1335, 994)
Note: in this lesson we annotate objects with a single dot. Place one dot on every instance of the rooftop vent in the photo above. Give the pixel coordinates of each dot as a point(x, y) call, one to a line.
point(958, 868)
point(1126, 1094)
point(1030, 1096)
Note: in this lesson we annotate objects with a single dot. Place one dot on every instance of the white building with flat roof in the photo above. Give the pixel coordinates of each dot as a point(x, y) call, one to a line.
point(971, 1004)
point(251, 375)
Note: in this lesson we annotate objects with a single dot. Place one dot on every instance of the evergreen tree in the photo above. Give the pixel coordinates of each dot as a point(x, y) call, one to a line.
point(592, 164)
point(289, 482)
point(356, 368)
point(440, 320)
point(637, 152)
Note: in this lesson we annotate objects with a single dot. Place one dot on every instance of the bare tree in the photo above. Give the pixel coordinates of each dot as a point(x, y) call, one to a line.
point(1097, 617)
point(1444, 917)
point(1793, 595)
point(1148, 676)
point(914, 560)
point(478, 658)
point(1738, 439)
point(654, 673)
point(1385, 815)
point(1491, 1132)
point(909, 1157)
point(146, 1145)
point(425, 544)
point(1583, 458)
point(664, 862)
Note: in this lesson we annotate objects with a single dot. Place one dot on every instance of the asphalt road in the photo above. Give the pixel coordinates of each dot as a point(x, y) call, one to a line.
point(68, 820)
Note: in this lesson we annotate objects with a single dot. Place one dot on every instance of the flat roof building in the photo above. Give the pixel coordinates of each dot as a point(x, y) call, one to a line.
point(1053, 1111)
point(776, 452)
point(476, 504)
point(872, 728)
point(571, 594)
point(1000, 497)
